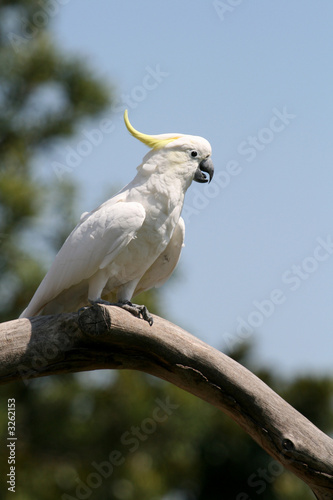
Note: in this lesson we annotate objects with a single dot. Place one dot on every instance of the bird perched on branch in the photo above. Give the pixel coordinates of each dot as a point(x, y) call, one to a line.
point(132, 242)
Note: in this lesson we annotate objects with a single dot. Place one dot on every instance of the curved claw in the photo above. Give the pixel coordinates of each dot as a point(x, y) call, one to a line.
point(146, 315)
point(139, 311)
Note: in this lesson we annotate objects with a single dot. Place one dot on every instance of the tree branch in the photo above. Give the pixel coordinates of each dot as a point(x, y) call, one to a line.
point(108, 337)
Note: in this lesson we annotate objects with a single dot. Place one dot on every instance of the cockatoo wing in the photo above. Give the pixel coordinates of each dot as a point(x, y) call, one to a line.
point(92, 245)
point(160, 271)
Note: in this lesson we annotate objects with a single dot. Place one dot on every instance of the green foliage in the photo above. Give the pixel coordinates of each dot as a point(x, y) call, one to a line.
point(307, 395)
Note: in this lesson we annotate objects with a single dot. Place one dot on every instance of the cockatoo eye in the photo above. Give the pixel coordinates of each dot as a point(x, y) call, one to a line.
point(194, 154)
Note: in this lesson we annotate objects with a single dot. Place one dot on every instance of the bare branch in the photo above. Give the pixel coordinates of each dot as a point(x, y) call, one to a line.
point(108, 337)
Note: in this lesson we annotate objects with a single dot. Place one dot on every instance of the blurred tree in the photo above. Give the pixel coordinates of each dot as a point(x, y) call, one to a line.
point(44, 95)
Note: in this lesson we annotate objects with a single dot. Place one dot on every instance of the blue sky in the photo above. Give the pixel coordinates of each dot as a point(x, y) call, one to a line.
point(256, 80)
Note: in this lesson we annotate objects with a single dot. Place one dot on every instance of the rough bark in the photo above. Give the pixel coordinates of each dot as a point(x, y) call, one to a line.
point(108, 337)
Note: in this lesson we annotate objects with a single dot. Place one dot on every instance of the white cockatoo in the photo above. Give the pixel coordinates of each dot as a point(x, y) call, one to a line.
point(132, 242)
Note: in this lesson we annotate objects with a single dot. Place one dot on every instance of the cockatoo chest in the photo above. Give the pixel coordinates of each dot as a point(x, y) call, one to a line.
point(155, 232)
point(163, 205)
point(149, 242)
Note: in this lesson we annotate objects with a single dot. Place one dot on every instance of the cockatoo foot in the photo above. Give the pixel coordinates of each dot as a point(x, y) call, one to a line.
point(137, 310)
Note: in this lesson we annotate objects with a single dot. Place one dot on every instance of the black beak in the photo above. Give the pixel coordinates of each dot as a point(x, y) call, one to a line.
point(207, 166)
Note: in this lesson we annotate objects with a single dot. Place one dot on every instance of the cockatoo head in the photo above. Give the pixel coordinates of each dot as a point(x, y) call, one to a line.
point(186, 156)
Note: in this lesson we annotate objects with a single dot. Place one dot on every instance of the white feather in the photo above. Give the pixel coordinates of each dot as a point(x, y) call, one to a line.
point(161, 270)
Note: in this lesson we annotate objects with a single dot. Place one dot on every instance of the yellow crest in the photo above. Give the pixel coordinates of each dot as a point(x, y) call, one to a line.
point(152, 141)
